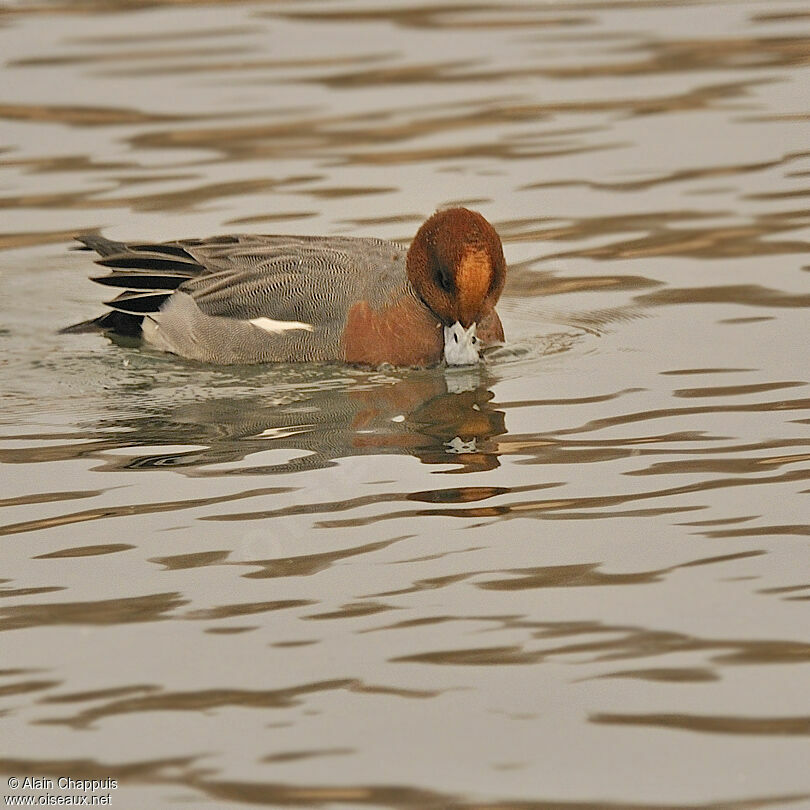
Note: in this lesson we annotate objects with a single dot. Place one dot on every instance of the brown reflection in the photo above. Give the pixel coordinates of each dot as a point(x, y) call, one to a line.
point(413, 220)
point(753, 319)
point(678, 176)
point(295, 643)
point(797, 530)
point(599, 642)
point(667, 674)
point(246, 609)
point(81, 116)
point(482, 656)
point(734, 390)
point(313, 753)
point(428, 584)
point(443, 15)
point(437, 417)
point(530, 282)
point(359, 140)
point(371, 689)
point(752, 295)
point(153, 699)
point(9, 241)
point(199, 559)
point(8, 673)
point(642, 416)
point(13, 592)
point(168, 770)
point(48, 497)
point(738, 466)
point(157, 699)
point(127, 510)
point(230, 631)
point(108, 611)
point(431, 620)
point(280, 217)
point(785, 589)
point(781, 195)
point(780, 16)
point(187, 199)
point(681, 56)
point(124, 55)
point(242, 64)
point(713, 724)
point(352, 610)
point(66, 163)
point(458, 494)
point(533, 403)
point(566, 576)
point(85, 551)
point(720, 521)
point(100, 694)
point(185, 772)
point(568, 508)
point(453, 495)
point(130, 37)
point(684, 371)
point(588, 575)
point(437, 555)
point(634, 642)
point(398, 796)
point(337, 192)
point(24, 687)
point(711, 242)
point(308, 564)
point(665, 57)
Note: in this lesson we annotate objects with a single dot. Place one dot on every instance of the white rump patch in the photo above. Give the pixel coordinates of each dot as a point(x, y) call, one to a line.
point(460, 345)
point(269, 325)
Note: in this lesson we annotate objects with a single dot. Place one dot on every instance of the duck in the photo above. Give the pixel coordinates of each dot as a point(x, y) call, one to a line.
point(247, 299)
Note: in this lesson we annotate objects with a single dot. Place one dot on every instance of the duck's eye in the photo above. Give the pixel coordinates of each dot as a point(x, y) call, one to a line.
point(443, 278)
point(455, 337)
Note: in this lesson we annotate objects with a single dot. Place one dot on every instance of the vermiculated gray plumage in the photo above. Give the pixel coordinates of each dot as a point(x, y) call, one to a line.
point(200, 298)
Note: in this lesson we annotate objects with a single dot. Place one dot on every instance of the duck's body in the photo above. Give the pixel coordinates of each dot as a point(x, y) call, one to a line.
point(261, 299)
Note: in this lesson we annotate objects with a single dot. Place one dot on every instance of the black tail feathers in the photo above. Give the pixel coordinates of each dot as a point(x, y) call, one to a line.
point(148, 274)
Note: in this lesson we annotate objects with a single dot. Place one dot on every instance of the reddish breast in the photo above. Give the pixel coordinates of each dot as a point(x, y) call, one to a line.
point(404, 333)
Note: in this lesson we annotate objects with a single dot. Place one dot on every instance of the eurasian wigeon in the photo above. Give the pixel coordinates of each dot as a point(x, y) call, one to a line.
point(262, 299)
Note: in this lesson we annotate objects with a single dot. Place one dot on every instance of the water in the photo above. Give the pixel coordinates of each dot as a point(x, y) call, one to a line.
point(575, 577)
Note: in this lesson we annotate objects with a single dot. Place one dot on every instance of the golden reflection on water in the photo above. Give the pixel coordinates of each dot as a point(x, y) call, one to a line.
point(260, 568)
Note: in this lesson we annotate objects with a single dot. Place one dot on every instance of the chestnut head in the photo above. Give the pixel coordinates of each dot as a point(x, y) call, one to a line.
point(456, 265)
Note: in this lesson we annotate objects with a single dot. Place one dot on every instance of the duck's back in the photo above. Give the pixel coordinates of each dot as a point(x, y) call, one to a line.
point(292, 278)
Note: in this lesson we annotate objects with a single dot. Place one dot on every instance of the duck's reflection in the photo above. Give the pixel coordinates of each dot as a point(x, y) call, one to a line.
point(437, 416)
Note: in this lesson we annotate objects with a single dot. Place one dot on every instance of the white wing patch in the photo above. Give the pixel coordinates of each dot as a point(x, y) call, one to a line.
point(269, 325)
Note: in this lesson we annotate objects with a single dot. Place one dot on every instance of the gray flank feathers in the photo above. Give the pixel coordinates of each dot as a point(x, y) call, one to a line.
point(198, 297)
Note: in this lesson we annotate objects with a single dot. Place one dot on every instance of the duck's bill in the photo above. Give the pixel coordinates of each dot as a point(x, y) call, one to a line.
point(461, 345)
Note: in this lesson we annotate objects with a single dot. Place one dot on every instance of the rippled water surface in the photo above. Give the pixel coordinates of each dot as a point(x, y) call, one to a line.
point(575, 577)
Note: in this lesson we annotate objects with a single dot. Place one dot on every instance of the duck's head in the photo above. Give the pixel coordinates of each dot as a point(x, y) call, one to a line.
point(456, 265)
